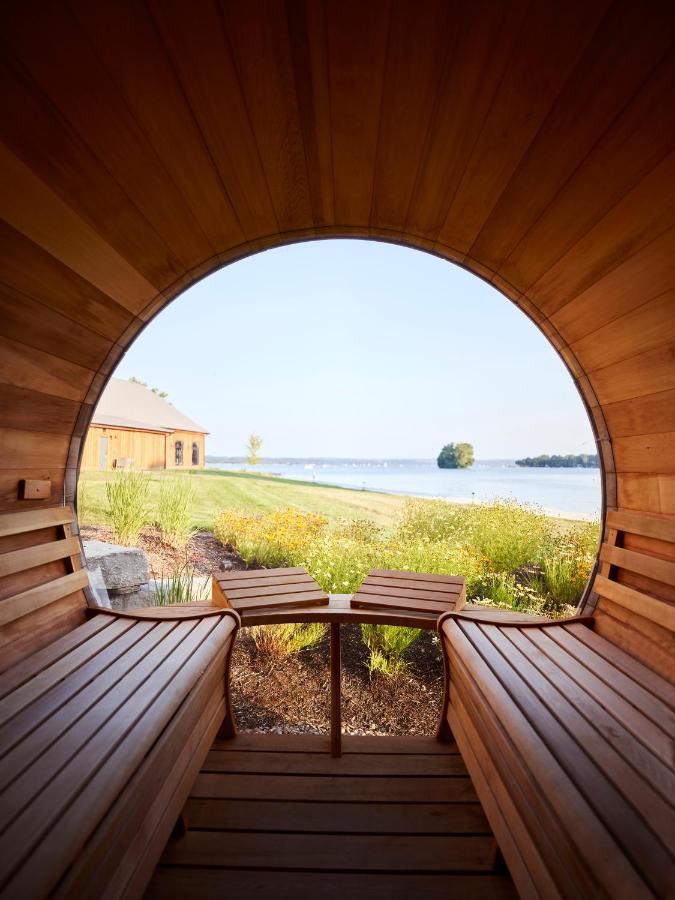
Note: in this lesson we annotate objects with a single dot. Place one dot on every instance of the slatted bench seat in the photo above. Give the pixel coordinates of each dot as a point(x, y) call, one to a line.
point(102, 732)
point(569, 737)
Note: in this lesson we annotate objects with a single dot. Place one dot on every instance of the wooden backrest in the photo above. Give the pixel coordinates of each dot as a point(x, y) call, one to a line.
point(635, 587)
point(41, 581)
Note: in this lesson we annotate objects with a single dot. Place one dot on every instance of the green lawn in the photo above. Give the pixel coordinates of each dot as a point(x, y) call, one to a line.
point(217, 489)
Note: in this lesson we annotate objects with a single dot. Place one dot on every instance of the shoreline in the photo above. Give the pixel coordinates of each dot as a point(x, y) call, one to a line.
point(550, 512)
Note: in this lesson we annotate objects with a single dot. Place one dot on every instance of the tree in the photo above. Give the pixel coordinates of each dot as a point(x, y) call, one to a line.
point(161, 394)
point(455, 456)
point(253, 446)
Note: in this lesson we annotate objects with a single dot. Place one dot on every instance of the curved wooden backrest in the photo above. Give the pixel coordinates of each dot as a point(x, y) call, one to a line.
point(635, 587)
point(42, 581)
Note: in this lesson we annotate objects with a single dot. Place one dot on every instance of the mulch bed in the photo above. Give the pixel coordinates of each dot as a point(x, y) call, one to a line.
point(292, 695)
point(204, 552)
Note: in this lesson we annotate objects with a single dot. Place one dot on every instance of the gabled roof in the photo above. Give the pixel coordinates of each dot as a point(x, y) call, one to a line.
point(127, 404)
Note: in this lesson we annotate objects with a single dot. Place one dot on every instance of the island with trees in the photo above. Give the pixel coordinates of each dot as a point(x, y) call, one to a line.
point(455, 456)
point(569, 461)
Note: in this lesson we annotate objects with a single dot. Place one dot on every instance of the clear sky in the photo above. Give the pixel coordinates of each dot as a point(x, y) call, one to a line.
point(359, 349)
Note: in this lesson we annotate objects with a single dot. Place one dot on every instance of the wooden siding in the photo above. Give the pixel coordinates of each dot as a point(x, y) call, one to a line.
point(147, 449)
point(146, 144)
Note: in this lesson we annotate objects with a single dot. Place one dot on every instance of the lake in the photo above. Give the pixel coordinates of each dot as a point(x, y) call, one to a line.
point(573, 493)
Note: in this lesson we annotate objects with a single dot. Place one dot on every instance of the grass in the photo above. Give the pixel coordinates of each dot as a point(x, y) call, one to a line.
point(387, 645)
point(173, 510)
point(178, 586)
point(216, 489)
point(278, 641)
point(126, 494)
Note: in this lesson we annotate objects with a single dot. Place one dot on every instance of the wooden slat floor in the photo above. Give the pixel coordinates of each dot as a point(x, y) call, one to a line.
point(276, 816)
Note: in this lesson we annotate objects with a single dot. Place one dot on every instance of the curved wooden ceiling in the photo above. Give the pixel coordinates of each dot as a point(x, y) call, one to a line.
point(146, 144)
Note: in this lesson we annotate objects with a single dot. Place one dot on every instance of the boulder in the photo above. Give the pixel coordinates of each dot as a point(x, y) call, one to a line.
point(124, 569)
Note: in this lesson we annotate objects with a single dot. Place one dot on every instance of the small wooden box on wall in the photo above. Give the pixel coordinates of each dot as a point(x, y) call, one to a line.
point(35, 489)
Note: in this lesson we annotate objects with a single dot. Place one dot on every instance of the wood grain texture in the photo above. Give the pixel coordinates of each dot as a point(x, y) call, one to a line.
point(591, 701)
point(126, 701)
point(143, 147)
point(338, 831)
point(555, 716)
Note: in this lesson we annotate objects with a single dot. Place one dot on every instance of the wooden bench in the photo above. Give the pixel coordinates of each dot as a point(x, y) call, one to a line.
point(417, 592)
point(102, 730)
point(568, 728)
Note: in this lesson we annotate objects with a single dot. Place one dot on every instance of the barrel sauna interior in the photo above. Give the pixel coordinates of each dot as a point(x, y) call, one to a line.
point(146, 144)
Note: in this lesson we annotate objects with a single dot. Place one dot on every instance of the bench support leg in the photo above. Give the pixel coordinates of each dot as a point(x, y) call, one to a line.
point(444, 732)
point(229, 727)
point(335, 692)
point(181, 827)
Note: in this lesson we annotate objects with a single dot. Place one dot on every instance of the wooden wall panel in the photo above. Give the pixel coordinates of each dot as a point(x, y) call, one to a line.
point(261, 51)
point(637, 376)
point(32, 448)
point(642, 277)
point(551, 45)
point(639, 415)
point(27, 367)
point(196, 43)
point(146, 448)
point(33, 272)
point(134, 55)
point(613, 66)
point(33, 209)
point(641, 452)
point(25, 320)
point(35, 411)
point(480, 44)
point(651, 493)
point(309, 49)
point(637, 219)
point(28, 128)
point(649, 326)
point(637, 140)
point(417, 53)
point(356, 63)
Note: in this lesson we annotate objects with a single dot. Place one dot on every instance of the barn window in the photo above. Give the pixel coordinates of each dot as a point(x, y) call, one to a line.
point(195, 453)
point(179, 453)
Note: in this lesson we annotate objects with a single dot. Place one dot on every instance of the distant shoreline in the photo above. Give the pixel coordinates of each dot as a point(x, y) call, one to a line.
point(561, 515)
point(377, 462)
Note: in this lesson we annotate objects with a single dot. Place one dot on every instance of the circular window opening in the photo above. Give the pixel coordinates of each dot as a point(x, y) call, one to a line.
point(344, 406)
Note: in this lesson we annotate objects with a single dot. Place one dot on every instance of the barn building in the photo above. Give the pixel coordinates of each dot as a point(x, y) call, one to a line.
point(133, 426)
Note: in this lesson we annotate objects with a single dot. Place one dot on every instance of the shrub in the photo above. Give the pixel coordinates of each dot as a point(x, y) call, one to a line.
point(127, 493)
point(278, 641)
point(511, 556)
point(506, 534)
point(173, 510)
point(387, 645)
point(506, 592)
point(431, 520)
point(269, 539)
point(565, 564)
